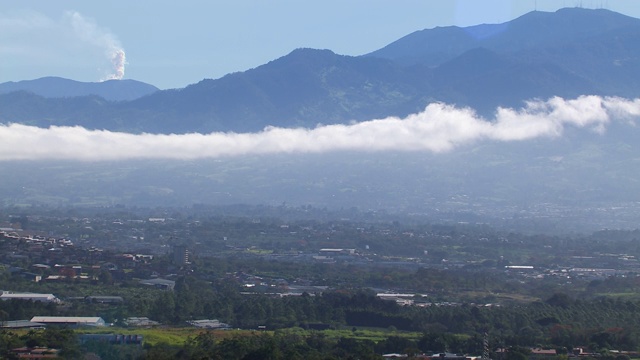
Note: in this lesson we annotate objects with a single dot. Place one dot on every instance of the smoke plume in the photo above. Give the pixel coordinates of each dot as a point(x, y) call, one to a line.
point(118, 60)
point(90, 32)
point(439, 128)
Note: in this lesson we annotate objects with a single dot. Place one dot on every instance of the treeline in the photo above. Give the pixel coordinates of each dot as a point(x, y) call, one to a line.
point(316, 345)
point(257, 345)
point(307, 345)
point(286, 344)
point(267, 346)
point(64, 340)
point(16, 309)
point(559, 321)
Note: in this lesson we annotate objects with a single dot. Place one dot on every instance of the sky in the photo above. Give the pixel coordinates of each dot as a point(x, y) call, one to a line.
point(172, 44)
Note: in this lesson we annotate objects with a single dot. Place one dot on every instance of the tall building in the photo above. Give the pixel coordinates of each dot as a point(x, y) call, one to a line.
point(180, 255)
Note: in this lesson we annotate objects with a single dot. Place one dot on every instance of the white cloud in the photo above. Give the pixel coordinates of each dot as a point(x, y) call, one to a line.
point(439, 128)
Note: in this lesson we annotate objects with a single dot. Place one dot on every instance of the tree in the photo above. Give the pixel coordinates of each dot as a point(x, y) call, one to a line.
point(201, 347)
point(517, 353)
point(163, 308)
point(560, 299)
point(105, 277)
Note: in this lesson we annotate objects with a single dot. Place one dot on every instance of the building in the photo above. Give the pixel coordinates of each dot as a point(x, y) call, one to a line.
point(36, 353)
point(159, 283)
point(69, 320)
point(543, 352)
point(140, 321)
point(21, 324)
point(30, 296)
point(180, 255)
point(105, 299)
point(448, 356)
point(337, 251)
point(209, 324)
point(112, 339)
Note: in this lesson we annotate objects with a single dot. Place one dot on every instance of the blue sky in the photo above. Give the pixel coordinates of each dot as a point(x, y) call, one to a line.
point(172, 44)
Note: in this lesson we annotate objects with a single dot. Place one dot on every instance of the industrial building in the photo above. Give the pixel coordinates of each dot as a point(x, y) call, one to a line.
point(29, 296)
point(69, 320)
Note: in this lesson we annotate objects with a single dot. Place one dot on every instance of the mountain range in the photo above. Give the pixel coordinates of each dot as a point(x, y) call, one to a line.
point(538, 55)
point(56, 87)
point(579, 179)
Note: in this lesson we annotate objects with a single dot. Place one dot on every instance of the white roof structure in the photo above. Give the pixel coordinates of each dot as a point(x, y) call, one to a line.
point(69, 320)
point(140, 321)
point(30, 296)
point(209, 324)
point(159, 283)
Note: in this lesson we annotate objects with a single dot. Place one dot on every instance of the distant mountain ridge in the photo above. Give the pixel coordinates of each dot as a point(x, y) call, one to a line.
point(533, 30)
point(538, 55)
point(56, 87)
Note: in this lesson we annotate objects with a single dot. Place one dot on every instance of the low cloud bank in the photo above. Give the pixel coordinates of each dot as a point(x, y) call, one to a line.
point(439, 128)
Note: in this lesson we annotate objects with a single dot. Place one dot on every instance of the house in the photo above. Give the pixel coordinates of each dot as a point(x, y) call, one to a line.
point(395, 356)
point(536, 353)
point(31, 276)
point(543, 352)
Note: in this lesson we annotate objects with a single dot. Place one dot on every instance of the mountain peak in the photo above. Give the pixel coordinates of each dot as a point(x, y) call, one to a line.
point(438, 45)
point(309, 54)
point(310, 51)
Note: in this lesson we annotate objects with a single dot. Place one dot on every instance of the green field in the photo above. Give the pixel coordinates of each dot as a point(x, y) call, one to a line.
point(176, 336)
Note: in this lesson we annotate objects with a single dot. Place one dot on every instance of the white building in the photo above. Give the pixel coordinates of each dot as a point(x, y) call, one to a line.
point(30, 296)
point(208, 324)
point(69, 320)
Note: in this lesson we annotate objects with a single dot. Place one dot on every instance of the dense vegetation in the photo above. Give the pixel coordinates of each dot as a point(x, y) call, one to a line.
point(558, 322)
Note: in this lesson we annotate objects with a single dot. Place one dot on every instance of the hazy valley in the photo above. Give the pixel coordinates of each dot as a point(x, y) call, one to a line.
point(461, 193)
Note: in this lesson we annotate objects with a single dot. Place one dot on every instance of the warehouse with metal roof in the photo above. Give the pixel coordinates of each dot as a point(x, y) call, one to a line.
point(69, 320)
